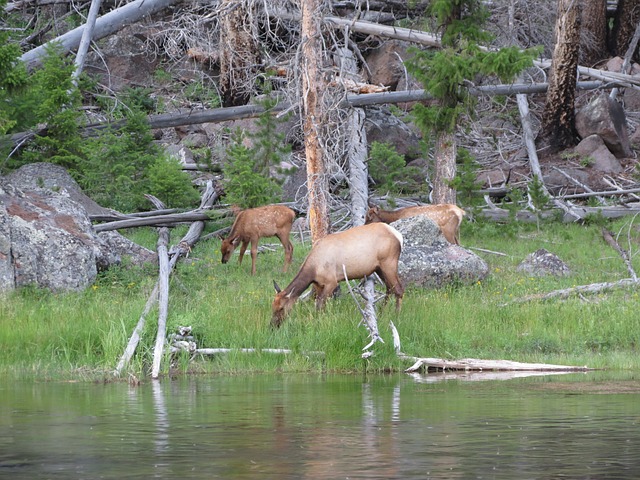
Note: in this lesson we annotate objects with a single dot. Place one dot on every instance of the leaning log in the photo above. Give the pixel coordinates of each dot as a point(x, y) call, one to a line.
point(163, 300)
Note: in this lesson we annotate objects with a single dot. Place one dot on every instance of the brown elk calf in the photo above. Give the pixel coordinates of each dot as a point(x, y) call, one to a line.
point(254, 223)
point(446, 215)
point(361, 250)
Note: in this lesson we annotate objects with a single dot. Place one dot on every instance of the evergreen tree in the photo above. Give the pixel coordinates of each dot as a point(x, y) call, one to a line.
point(447, 72)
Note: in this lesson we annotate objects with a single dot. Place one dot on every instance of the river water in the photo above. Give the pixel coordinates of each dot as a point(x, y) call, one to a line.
point(576, 426)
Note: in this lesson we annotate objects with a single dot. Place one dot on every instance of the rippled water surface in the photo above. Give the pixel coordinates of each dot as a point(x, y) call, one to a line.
point(578, 426)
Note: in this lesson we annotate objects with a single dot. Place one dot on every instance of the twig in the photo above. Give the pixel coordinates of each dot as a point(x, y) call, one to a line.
point(623, 253)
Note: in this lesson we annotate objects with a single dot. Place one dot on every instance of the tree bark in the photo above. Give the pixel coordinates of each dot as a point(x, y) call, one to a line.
point(317, 214)
point(624, 25)
point(594, 32)
point(558, 118)
point(239, 54)
point(445, 169)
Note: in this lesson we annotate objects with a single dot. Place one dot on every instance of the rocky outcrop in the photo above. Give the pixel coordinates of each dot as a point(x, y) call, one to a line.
point(542, 263)
point(46, 236)
point(428, 260)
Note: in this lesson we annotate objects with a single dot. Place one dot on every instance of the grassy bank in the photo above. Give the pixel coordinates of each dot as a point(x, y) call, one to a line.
point(83, 334)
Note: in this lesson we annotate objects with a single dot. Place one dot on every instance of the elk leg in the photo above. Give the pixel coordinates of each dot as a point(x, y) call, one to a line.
point(288, 250)
point(243, 248)
point(254, 255)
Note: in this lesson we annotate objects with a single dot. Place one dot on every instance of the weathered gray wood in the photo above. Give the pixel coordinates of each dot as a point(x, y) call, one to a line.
point(622, 252)
point(209, 196)
point(153, 220)
point(105, 25)
point(163, 300)
point(468, 364)
point(581, 289)
point(218, 351)
point(137, 332)
point(85, 41)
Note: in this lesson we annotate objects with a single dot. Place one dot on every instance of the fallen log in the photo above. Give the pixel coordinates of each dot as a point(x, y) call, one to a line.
point(468, 364)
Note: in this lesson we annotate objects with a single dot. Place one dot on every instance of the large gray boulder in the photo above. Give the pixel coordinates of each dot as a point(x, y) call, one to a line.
point(605, 117)
point(428, 260)
point(46, 236)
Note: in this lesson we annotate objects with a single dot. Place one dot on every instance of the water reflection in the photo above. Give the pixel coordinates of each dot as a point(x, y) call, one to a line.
point(393, 427)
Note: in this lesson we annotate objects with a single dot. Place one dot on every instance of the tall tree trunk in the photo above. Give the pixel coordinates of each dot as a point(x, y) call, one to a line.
point(317, 213)
point(239, 54)
point(356, 143)
point(624, 25)
point(558, 118)
point(593, 32)
point(445, 168)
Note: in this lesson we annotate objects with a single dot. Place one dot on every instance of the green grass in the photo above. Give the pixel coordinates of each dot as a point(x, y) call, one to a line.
point(82, 335)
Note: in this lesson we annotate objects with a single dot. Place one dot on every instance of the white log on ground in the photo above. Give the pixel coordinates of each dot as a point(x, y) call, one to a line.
point(220, 351)
point(579, 290)
point(163, 301)
point(468, 364)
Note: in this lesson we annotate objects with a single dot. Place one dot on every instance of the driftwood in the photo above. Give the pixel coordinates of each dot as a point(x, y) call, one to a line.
point(467, 364)
point(474, 364)
point(219, 351)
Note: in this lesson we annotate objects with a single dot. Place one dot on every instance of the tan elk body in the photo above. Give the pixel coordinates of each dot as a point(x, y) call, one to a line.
point(361, 250)
point(254, 223)
point(446, 215)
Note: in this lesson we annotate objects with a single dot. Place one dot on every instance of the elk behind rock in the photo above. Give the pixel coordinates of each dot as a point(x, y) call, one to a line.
point(446, 215)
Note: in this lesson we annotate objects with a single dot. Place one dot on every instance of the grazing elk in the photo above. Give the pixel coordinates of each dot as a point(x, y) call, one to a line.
point(361, 250)
point(446, 215)
point(254, 223)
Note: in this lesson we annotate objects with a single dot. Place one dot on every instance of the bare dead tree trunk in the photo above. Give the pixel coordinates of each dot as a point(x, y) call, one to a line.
point(624, 25)
point(356, 138)
point(594, 32)
point(239, 53)
point(317, 213)
point(558, 118)
point(445, 169)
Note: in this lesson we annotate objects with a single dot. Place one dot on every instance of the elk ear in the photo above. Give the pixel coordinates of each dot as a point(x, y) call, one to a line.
point(275, 285)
